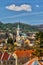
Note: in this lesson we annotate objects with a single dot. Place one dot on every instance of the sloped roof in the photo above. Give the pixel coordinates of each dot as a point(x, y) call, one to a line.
point(23, 53)
point(33, 62)
point(5, 56)
point(29, 62)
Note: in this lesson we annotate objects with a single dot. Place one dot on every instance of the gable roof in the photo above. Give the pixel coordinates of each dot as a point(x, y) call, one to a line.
point(5, 56)
point(33, 62)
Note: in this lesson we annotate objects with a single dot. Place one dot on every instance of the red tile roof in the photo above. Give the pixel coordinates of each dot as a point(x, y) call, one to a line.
point(0, 55)
point(23, 53)
point(4, 56)
point(41, 63)
point(31, 62)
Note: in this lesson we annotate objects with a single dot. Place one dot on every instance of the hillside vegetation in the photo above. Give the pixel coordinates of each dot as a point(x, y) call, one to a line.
point(11, 27)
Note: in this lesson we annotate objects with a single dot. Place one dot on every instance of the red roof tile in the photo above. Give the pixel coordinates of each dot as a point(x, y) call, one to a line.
point(0, 55)
point(5, 57)
point(22, 53)
point(29, 62)
point(41, 63)
point(32, 61)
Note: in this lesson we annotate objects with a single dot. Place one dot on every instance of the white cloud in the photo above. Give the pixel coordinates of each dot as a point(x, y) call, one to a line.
point(37, 5)
point(23, 7)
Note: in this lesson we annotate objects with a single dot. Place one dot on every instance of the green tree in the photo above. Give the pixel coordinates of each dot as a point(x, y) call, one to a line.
point(10, 41)
point(38, 46)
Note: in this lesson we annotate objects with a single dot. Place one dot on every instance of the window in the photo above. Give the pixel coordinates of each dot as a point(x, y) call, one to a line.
point(4, 62)
point(11, 62)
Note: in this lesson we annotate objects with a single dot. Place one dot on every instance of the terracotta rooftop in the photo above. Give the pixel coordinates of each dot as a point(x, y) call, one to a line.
point(5, 56)
point(33, 62)
point(23, 53)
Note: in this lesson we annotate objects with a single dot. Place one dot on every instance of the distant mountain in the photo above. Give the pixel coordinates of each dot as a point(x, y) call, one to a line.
point(24, 27)
point(40, 26)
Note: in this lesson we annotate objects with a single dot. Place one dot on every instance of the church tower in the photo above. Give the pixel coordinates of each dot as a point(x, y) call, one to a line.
point(18, 30)
point(17, 34)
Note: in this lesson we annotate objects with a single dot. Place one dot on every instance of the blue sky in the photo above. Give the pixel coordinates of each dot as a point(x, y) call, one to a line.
point(26, 11)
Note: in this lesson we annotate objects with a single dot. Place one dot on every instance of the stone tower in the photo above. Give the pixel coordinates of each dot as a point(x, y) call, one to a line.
point(18, 31)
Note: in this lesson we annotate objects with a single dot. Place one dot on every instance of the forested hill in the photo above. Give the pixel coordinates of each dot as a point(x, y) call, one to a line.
point(24, 27)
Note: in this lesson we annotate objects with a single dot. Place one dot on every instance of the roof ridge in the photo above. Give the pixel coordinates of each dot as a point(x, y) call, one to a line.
point(2, 55)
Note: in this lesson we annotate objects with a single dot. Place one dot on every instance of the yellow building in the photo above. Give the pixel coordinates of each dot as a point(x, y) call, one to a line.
point(27, 41)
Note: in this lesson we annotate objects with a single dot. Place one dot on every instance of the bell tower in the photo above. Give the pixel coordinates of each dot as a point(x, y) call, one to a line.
point(18, 31)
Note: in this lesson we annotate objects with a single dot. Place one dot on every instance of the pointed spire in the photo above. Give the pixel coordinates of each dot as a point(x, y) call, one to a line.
point(18, 29)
